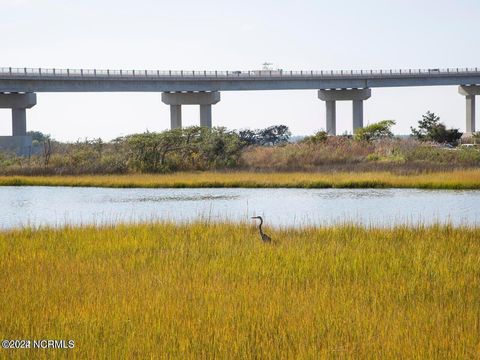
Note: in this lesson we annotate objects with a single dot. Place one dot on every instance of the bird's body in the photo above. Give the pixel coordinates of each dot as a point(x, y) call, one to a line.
point(265, 237)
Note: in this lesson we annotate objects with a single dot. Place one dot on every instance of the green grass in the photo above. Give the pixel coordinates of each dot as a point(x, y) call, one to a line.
point(460, 179)
point(215, 291)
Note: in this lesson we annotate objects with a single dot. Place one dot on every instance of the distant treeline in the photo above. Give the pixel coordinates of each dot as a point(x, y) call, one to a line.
point(431, 147)
point(192, 148)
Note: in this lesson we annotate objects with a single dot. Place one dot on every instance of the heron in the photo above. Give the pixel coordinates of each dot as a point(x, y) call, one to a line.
point(265, 237)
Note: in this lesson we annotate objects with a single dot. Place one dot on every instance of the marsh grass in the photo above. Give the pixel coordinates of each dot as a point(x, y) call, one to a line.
point(202, 290)
point(459, 179)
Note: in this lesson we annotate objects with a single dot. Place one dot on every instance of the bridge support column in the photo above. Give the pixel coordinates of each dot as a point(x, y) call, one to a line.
point(470, 126)
point(19, 122)
point(357, 112)
point(204, 99)
point(469, 92)
point(331, 117)
point(357, 96)
point(19, 142)
point(175, 116)
point(206, 115)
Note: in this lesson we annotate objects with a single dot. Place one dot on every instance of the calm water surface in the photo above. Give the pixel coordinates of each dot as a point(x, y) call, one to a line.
point(281, 207)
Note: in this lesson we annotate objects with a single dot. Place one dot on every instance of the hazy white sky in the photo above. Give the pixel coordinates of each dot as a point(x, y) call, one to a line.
point(234, 35)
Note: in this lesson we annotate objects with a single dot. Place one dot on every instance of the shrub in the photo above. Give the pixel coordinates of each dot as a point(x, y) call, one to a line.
point(319, 137)
point(431, 129)
point(375, 131)
point(272, 135)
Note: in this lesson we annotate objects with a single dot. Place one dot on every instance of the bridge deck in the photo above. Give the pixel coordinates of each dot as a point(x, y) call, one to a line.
point(92, 80)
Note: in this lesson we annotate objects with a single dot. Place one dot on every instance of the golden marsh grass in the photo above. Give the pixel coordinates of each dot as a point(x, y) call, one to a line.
point(215, 291)
point(459, 179)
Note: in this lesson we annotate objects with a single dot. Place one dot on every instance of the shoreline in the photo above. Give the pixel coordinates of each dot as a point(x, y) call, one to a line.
point(454, 180)
point(241, 224)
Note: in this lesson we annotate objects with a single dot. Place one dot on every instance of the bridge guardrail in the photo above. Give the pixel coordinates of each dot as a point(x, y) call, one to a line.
point(89, 73)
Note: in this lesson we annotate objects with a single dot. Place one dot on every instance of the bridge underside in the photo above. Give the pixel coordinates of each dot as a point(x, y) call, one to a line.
point(204, 99)
point(470, 92)
point(357, 96)
point(21, 100)
point(99, 84)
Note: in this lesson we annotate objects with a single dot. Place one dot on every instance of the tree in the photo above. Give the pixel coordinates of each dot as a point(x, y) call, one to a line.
point(38, 136)
point(189, 148)
point(425, 126)
point(275, 135)
point(248, 137)
point(443, 135)
point(149, 150)
point(219, 147)
point(381, 129)
point(270, 136)
point(431, 129)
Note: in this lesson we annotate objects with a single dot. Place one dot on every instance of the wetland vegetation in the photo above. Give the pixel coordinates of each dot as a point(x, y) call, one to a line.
point(453, 180)
point(163, 290)
point(431, 148)
point(203, 289)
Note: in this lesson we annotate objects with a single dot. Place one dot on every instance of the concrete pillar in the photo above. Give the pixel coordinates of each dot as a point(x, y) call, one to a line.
point(469, 91)
point(470, 101)
point(206, 116)
point(19, 122)
point(357, 96)
point(19, 103)
point(357, 114)
point(331, 117)
point(175, 116)
point(19, 142)
point(204, 99)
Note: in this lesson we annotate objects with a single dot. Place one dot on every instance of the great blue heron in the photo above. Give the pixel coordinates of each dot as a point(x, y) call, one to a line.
point(265, 237)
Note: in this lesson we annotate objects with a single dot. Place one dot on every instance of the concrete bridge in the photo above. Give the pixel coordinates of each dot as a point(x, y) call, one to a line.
point(19, 85)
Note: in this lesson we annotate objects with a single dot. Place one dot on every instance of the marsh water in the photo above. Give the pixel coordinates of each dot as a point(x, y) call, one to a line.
point(36, 206)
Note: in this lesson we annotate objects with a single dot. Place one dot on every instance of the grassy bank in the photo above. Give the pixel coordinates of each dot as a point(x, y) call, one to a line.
point(205, 291)
point(460, 179)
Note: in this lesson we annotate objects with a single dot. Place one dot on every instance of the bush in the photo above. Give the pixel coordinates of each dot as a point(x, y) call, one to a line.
point(194, 148)
point(375, 131)
point(271, 136)
point(319, 137)
point(431, 129)
point(199, 148)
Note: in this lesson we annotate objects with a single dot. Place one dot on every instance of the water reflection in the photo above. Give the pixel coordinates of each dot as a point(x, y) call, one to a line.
point(354, 193)
point(184, 197)
point(281, 207)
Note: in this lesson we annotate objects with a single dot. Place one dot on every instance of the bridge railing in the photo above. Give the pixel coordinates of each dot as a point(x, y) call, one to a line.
point(88, 73)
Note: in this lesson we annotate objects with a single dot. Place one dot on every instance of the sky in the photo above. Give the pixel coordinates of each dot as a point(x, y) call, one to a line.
point(233, 35)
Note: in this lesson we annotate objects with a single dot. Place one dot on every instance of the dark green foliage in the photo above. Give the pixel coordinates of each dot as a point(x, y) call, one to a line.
point(271, 136)
point(249, 137)
point(431, 129)
point(193, 148)
point(275, 135)
point(148, 151)
point(38, 137)
point(443, 135)
point(218, 148)
point(425, 126)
